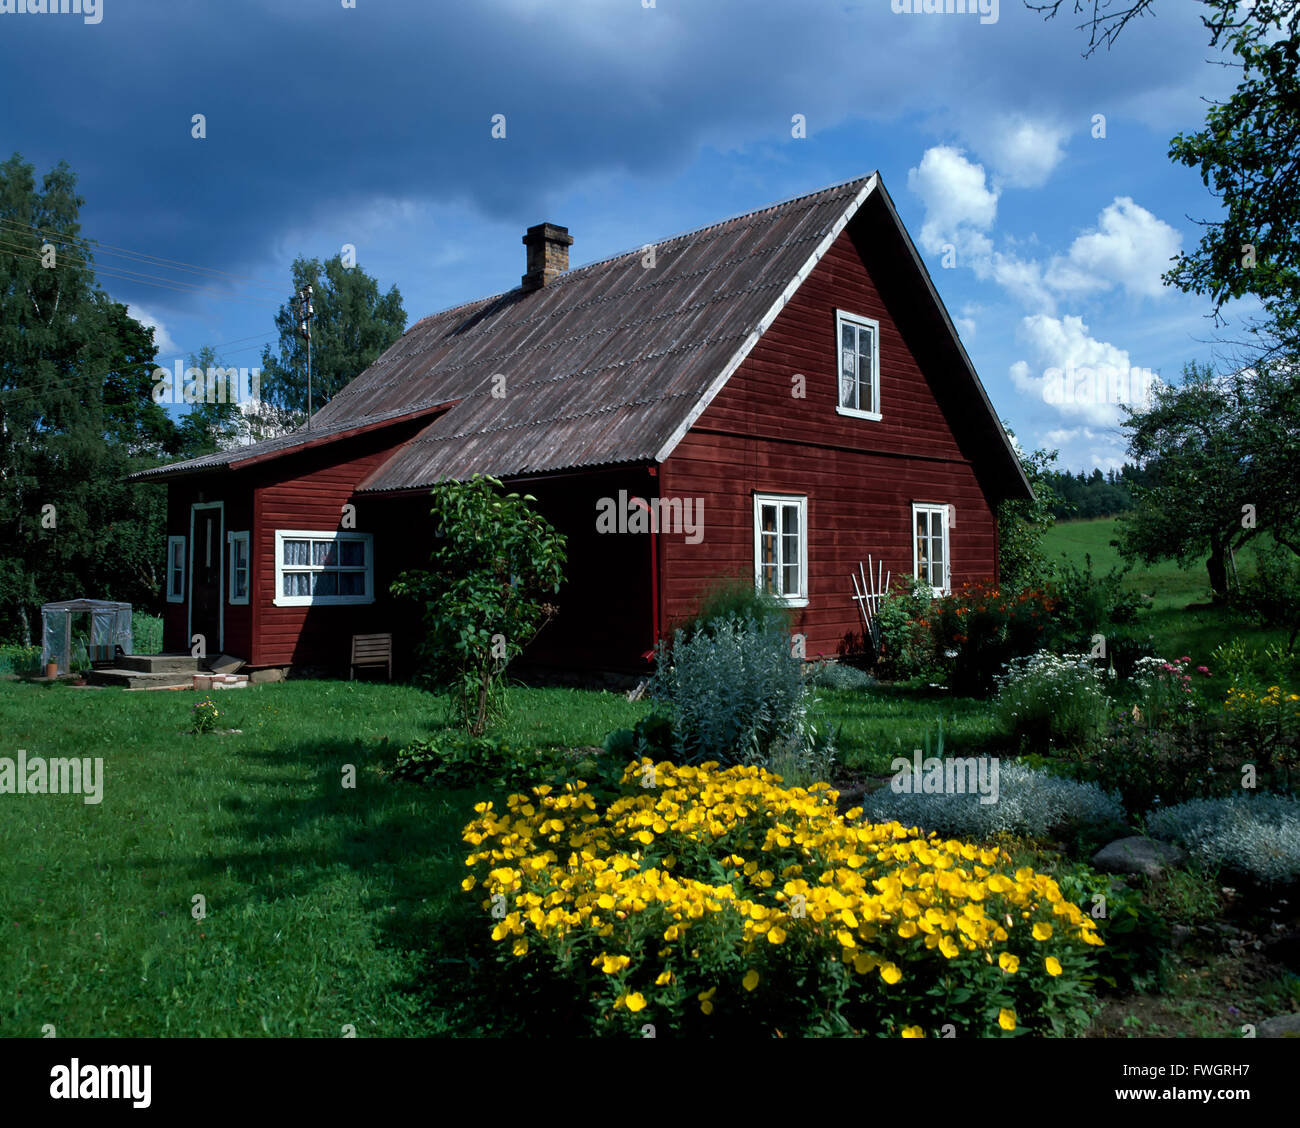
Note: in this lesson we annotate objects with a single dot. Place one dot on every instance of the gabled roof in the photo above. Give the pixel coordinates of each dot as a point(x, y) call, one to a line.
point(611, 363)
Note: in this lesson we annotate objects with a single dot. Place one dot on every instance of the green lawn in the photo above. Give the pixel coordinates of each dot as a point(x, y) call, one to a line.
point(326, 906)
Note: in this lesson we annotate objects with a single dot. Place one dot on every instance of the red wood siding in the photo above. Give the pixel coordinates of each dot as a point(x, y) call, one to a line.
point(308, 492)
point(860, 476)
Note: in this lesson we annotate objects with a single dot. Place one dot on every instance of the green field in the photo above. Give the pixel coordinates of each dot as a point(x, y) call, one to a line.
point(1180, 618)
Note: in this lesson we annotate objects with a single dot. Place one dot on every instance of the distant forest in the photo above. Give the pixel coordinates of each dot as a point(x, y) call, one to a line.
point(1096, 494)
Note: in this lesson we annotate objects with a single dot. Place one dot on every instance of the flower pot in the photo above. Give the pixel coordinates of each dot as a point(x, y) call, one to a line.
point(51, 670)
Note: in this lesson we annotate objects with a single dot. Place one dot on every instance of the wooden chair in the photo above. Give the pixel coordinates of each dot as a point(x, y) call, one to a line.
point(372, 650)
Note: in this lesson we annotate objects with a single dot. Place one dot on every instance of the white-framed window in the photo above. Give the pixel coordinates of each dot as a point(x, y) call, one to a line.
point(930, 557)
point(239, 569)
point(858, 343)
point(323, 568)
point(781, 547)
point(175, 569)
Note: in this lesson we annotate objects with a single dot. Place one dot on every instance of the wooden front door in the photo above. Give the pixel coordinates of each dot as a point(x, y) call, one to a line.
point(206, 577)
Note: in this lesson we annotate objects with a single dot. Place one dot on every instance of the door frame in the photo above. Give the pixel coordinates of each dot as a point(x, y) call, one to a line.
point(221, 581)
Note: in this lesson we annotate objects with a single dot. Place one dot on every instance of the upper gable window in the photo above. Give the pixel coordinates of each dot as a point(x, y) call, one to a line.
point(858, 341)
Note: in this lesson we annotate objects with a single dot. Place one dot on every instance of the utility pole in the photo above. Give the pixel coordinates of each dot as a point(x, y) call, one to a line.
point(305, 314)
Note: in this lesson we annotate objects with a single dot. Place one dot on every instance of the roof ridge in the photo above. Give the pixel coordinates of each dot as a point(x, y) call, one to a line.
point(568, 274)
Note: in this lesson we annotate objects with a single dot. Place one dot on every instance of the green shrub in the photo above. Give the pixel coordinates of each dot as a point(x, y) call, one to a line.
point(1045, 701)
point(735, 693)
point(1150, 766)
point(1270, 596)
point(1084, 605)
point(494, 560)
point(457, 760)
point(21, 660)
point(1255, 836)
point(906, 647)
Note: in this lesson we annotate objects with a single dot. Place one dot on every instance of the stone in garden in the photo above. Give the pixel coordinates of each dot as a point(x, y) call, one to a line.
point(1283, 1026)
point(1137, 855)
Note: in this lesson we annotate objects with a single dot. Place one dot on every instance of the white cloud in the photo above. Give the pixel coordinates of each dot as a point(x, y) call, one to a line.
point(1129, 247)
point(1082, 448)
point(1023, 153)
point(957, 200)
point(161, 338)
point(1082, 377)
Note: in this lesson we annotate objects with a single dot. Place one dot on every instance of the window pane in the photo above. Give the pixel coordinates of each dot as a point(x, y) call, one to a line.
point(324, 583)
point(352, 554)
point(848, 368)
point(295, 552)
point(791, 579)
point(352, 583)
point(768, 573)
point(297, 583)
point(324, 554)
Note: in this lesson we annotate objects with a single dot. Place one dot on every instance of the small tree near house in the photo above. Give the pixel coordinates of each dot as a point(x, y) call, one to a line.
point(493, 562)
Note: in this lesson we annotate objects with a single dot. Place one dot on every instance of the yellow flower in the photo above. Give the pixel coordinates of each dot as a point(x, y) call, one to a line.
point(776, 936)
point(1009, 963)
point(913, 1032)
point(468, 884)
point(948, 946)
point(635, 1001)
point(663, 978)
point(1042, 931)
point(751, 980)
point(890, 973)
point(1007, 1019)
point(520, 947)
point(1053, 965)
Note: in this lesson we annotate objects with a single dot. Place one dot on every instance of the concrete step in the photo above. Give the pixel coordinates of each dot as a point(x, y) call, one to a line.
point(139, 679)
point(158, 663)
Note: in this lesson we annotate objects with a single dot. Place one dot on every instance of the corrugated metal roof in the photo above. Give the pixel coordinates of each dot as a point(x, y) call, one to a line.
point(281, 444)
point(602, 365)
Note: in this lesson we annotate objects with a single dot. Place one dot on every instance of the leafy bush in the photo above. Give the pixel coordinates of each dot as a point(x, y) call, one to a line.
point(1084, 605)
point(493, 561)
point(836, 675)
point(1029, 802)
point(1255, 836)
point(1150, 766)
point(20, 660)
point(735, 693)
point(456, 760)
point(1045, 700)
point(979, 629)
point(906, 648)
point(1271, 595)
point(707, 901)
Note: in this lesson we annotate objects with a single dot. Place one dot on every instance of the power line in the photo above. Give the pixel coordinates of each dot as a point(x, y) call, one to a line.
point(122, 274)
point(141, 256)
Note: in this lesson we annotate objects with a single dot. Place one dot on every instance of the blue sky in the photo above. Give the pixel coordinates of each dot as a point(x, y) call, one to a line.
point(371, 126)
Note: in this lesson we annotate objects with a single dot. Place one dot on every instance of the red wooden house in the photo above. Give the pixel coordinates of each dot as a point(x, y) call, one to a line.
point(785, 390)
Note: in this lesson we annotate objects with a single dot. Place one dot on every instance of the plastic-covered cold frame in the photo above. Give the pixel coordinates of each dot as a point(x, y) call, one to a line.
point(97, 640)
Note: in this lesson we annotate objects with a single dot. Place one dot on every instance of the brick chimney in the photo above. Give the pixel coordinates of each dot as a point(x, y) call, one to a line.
point(548, 254)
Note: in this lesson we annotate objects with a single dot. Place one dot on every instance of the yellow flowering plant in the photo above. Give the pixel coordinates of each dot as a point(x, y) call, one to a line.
point(710, 900)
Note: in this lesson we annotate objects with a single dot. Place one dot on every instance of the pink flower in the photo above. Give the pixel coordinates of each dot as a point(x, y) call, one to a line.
point(1185, 658)
point(1203, 670)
